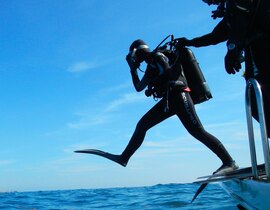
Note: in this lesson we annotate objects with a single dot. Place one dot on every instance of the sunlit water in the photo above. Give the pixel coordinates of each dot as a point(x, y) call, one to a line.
point(170, 196)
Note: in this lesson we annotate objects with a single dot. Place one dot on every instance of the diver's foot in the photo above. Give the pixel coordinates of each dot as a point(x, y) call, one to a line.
point(118, 159)
point(226, 168)
point(124, 164)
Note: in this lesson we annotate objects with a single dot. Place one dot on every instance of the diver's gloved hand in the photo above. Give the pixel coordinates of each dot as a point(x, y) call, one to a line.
point(183, 42)
point(233, 59)
point(219, 12)
point(132, 63)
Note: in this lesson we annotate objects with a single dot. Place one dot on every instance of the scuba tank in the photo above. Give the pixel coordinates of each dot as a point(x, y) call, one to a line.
point(200, 91)
point(186, 65)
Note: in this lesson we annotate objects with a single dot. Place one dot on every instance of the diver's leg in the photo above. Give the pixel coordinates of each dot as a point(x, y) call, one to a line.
point(154, 116)
point(187, 114)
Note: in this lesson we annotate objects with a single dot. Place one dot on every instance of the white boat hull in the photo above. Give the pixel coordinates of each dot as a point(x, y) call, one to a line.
point(251, 194)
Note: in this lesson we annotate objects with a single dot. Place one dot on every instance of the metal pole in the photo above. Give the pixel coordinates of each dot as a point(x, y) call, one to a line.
point(260, 107)
point(252, 83)
point(250, 130)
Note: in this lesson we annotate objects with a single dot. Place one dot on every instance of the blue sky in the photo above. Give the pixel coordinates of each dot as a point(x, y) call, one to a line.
point(65, 85)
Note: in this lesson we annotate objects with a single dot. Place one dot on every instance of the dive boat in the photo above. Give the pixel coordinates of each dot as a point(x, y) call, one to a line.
point(253, 191)
point(249, 187)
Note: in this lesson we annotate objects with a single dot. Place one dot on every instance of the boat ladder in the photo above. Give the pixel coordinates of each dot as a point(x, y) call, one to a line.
point(253, 84)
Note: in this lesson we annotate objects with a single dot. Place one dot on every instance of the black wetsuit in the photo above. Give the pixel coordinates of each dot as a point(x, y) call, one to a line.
point(170, 86)
point(247, 24)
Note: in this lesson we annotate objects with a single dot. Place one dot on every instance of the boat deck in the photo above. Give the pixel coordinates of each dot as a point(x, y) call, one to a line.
point(242, 173)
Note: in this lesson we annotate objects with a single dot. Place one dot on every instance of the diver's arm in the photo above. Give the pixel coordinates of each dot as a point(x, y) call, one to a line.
point(133, 65)
point(160, 76)
point(218, 35)
point(138, 84)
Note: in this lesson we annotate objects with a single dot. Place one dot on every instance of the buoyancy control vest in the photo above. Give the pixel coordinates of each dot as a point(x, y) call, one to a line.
point(184, 64)
point(185, 68)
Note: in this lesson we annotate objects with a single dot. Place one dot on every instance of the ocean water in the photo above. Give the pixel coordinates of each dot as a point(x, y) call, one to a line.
point(169, 196)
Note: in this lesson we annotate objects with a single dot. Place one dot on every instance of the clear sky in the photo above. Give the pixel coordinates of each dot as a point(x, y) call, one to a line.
point(65, 85)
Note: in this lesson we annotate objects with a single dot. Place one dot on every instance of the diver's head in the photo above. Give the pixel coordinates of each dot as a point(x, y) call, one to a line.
point(138, 50)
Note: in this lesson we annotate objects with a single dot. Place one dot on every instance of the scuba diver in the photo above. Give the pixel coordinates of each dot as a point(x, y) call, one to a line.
point(167, 83)
point(245, 25)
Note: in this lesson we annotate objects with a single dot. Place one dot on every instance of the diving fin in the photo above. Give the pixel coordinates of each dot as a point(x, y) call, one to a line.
point(200, 189)
point(109, 156)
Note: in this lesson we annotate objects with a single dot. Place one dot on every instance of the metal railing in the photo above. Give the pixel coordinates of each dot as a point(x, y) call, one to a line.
point(253, 84)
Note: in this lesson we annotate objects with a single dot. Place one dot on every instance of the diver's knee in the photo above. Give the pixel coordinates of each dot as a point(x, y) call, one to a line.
point(197, 132)
point(142, 125)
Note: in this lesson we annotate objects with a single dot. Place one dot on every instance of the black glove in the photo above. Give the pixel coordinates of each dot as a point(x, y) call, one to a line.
point(233, 59)
point(219, 12)
point(182, 42)
point(132, 63)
